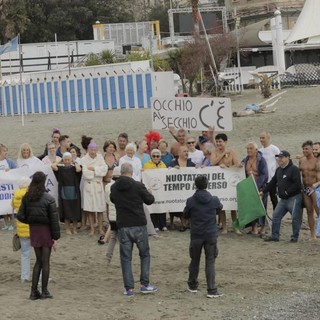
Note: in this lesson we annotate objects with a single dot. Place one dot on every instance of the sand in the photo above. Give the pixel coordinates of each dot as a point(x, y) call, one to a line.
point(259, 280)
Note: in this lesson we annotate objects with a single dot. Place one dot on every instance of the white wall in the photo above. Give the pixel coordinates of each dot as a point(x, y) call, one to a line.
point(39, 52)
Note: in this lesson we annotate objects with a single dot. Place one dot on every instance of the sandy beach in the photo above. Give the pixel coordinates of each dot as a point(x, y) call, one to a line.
point(259, 280)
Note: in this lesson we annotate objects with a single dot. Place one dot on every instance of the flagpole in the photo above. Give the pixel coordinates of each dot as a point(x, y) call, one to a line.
point(56, 42)
point(10, 46)
point(21, 90)
point(10, 69)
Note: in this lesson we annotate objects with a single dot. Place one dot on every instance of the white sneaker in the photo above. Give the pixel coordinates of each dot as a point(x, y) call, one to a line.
point(165, 229)
point(156, 229)
point(192, 290)
point(214, 295)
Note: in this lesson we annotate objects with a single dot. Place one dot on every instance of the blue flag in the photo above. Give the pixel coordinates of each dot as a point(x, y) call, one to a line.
point(10, 46)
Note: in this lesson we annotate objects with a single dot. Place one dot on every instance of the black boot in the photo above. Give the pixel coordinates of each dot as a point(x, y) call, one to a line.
point(35, 294)
point(46, 294)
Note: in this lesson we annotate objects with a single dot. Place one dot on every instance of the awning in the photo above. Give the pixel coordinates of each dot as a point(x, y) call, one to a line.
point(249, 35)
point(308, 24)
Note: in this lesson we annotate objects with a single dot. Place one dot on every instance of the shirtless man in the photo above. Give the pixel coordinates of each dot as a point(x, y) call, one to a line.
point(122, 143)
point(316, 149)
point(316, 153)
point(308, 169)
point(225, 157)
point(181, 141)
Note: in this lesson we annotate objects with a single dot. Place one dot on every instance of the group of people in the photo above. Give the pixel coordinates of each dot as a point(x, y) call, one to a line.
point(92, 182)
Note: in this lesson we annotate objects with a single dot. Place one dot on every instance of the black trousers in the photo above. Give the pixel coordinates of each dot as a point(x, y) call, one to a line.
point(273, 197)
point(158, 220)
point(211, 252)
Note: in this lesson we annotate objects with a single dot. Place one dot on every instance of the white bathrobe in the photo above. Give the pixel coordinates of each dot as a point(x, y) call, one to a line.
point(93, 191)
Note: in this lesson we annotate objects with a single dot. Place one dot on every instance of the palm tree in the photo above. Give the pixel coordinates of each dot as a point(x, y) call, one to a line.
point(13, 18)
point(195, 16)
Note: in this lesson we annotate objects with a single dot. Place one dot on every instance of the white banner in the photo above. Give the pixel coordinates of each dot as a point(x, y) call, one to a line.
point(9, 182)
point(172, 187)
point(191, 113)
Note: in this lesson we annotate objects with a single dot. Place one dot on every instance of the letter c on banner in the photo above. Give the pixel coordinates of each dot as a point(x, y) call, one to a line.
point(200, 115)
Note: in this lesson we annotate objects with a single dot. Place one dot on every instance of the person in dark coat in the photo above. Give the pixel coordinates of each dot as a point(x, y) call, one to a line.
point(69, 176)
point(201, 209)
point(128, 197)
point(38, 209)
point(288, 182)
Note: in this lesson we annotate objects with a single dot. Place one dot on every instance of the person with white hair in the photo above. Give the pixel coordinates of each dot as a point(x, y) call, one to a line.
point(23, 230)
point(130, 157)
point(158, 219)
point(255, 165)
point(68, 176)
point(207, 148)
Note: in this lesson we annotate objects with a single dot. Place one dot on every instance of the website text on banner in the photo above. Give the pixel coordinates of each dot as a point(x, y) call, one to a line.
point(9, 182)
point(191, 113)
point(172, 187)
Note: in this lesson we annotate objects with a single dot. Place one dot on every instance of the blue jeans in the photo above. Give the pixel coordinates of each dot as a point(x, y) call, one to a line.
point(211, 252)
point(25, 258)
point(111, 244)
point(127, 237)
point(293, 205)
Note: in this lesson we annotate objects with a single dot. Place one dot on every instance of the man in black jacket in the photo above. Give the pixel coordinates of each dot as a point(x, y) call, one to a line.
point(202, 209)
point(288, 182)
point(128, 197)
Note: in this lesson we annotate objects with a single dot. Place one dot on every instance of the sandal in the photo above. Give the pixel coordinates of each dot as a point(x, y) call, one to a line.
point(101, 240)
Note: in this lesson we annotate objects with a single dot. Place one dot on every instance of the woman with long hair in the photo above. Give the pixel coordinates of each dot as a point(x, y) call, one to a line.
point(85, 141)
point(111, 159)
point(26, 157)
point(38, 209)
